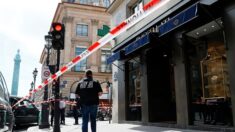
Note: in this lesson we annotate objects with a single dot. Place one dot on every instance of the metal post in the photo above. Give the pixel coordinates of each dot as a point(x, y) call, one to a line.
point(44, 123)
point(31, 89)
point(35, 72)
point(57, 92)
point(110, 101)
point(34, 80)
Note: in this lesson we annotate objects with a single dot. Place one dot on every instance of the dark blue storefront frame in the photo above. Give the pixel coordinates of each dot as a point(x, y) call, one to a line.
point(129, 49)
point(137, 44)
point(116, 56)
point(175, 22)
point(179, 20)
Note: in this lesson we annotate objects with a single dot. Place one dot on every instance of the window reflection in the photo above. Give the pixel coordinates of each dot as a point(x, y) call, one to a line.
point(81, 66)
point(134, 90)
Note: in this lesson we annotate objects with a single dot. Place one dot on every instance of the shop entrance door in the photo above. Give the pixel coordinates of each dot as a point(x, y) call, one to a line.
point(160, 86)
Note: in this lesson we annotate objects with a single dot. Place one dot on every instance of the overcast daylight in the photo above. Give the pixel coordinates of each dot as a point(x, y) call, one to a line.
point(23, 26)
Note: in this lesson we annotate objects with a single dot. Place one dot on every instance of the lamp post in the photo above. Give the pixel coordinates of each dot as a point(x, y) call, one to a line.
point(35, 73)
point(31, 89)
point(44, 123)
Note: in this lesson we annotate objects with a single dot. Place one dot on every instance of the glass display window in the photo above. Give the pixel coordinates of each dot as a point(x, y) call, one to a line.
point(134, 90)
point(214, 71)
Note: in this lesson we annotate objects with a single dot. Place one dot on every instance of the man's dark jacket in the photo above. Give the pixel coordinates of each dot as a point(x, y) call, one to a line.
point(88, 90)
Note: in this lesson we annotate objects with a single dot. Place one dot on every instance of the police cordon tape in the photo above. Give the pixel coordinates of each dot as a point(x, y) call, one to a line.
point(48, 101)
point(72, 103)
point(148, 9)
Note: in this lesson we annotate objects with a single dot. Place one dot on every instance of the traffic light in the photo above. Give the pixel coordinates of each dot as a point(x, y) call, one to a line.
point(53, 87)
point(58, 36)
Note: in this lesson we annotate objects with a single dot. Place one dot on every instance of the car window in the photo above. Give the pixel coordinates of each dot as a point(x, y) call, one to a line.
point(13, 101)
point(27, 104)
point(1, 90)
point(4, 89)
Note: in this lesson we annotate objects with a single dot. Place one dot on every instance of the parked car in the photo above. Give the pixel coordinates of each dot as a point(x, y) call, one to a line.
point(25, 112)
point(6, 114)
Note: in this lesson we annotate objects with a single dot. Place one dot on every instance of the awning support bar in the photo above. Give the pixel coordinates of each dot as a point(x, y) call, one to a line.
point(118, 67)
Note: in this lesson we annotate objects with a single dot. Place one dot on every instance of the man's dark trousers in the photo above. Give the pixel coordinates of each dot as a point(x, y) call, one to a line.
point(75, 114)
point(89, 111)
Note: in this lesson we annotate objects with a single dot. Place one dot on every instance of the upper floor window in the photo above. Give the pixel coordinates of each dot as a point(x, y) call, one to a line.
point(138, 6)
point(82, 30)
point(106, 3)
point(95, 2)
point(71, 1)
point(105, 54)
point(81, 66)
point(91, 2)
point(83, 2)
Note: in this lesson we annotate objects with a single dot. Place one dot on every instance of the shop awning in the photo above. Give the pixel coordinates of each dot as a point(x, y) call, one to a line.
point(137, 44)
point(180, 19)
point(116, 56)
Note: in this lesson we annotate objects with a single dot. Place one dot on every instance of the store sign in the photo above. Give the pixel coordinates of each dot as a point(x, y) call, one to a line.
point(137, 44)
point(178, 20)
point(116, 56)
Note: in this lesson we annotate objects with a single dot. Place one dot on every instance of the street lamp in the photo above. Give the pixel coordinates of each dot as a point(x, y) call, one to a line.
point(48, 46)
point(44, 123)
point(35, 73)
point(31, 89)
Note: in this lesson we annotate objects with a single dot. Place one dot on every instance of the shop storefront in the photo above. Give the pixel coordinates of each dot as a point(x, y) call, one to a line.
point(209, 79)
point(178, 71)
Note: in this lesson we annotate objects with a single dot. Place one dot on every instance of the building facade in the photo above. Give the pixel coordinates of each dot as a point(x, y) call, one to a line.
point(175, 67)
point(83, 21)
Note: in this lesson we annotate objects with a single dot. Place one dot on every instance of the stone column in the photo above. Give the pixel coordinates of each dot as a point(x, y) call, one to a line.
point(230, 46)
point(67, 52)
point(119, 98)
point(180, 85)
point(144, 89)
point(94, 57)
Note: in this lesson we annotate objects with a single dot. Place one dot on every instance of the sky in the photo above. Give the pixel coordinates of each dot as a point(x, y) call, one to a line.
point(23, 25)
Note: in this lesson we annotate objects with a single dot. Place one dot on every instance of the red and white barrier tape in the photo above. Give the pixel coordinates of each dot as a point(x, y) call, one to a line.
point(48, 101)
point(148, 9)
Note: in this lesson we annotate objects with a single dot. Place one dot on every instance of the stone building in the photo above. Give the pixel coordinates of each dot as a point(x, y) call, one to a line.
point(83, 20)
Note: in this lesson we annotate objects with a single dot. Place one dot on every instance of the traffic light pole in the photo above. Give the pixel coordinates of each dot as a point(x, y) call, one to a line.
point(44, 123)
point(56, 127)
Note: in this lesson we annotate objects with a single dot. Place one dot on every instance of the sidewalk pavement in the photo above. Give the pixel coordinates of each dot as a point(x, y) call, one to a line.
point(104, 126)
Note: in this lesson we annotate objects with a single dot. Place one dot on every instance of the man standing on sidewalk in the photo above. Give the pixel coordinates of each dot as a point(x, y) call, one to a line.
point(89, 91)
point(62, 111)
point(76, 108)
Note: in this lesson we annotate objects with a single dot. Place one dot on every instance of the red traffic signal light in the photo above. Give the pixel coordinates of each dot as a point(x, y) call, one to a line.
point(57, 33)
point(58, 27)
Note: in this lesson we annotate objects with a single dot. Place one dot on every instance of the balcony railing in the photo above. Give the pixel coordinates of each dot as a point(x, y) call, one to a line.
point(102, 69)
point(79, 68)
point(102, 3)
